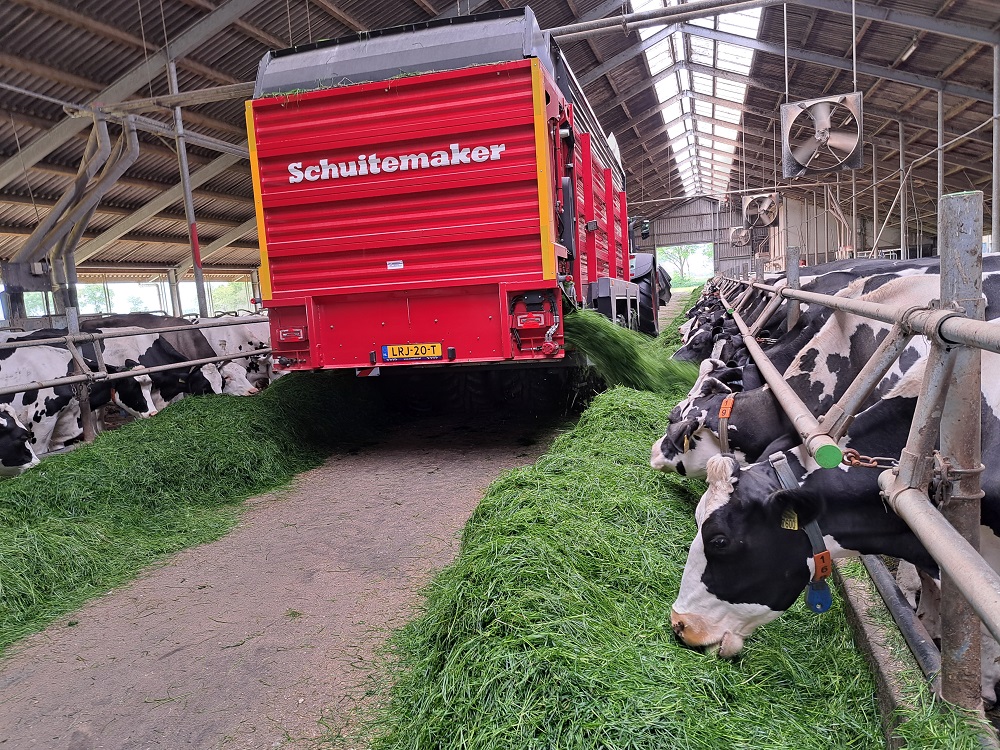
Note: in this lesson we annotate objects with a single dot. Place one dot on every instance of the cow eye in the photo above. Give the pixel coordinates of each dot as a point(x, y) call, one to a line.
point(719, 542)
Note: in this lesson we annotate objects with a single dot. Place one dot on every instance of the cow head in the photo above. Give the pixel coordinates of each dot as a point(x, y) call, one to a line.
point(743, 569)
point(700, 345)
point(693, 435)
point(135, 395)
point(205, 379)
point(16, 454)
point(235, 381)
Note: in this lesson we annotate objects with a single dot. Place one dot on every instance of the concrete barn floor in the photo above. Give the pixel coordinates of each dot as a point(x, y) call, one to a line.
point(264, 638)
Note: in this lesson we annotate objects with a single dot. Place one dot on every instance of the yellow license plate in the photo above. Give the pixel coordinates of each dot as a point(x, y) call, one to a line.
point(397, 352)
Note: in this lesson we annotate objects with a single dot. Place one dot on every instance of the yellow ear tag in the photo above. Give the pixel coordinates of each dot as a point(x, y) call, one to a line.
point(790, 520)
point(687, 442)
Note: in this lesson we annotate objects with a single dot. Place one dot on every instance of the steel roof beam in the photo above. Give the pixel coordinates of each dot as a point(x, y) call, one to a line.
point(149, 239)
point(254, 32)
point(832, 61)
point(74, 81)
point(954, 29)
point(221, 243)
point(101, 267)
point(198, 34)
point(138, 182)
point(16, 199)
point(342, 17)
point(628, 54)
point(81, 21)
point(147, 212)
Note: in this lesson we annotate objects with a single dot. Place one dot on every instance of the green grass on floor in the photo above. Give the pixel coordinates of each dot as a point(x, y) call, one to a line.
point(83, 522)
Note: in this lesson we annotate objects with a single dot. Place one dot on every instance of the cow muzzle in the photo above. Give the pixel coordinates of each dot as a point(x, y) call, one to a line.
point(694, 632)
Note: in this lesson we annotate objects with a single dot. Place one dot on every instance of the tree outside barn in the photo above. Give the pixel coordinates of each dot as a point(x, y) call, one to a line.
point(687, 263)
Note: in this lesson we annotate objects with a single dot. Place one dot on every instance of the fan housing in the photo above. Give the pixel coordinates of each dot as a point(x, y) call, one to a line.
point(740, 236)
point(821, 135)
point(761, 210)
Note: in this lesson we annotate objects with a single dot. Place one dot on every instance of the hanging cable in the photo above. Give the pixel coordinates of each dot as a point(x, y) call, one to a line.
point(24, 167)
point(854, 44)
point(309, 26)
point(163, 24)
point(288, 15)
point(145, 49)
point(785, 10)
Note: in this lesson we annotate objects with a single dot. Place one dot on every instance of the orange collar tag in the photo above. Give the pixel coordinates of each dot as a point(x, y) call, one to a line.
point(824, 565)
point(727, 407)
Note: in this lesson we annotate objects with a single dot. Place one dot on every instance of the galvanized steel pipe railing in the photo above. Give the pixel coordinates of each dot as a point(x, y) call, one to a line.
point(826, 452)
point(71, 339)
point(672, 14)
point(948, 325)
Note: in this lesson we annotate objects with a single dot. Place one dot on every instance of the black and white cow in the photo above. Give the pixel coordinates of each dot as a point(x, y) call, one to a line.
point(746, 565)
point(50, 415)
point(819, 374)
point(169, 348)
point(242, 338)
point(16, 452)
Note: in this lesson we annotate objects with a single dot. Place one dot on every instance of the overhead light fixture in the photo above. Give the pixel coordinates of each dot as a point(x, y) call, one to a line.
point(909, 50)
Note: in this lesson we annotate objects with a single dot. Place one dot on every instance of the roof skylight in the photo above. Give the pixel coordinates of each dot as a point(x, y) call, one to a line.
point(704, 162)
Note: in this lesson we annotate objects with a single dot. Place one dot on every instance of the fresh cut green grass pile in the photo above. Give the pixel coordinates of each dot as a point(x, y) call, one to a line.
point(624, 357)
point(85, 521)
point(552, 627)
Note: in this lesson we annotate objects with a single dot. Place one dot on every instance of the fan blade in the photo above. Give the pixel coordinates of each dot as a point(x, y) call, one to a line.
point(805, 153)
point(821, 113)
point(843, 140)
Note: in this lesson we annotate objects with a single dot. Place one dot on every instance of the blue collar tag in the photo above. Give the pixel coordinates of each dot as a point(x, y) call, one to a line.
point(818, 597)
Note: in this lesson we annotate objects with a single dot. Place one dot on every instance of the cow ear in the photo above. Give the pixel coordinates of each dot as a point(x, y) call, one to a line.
point(711, 386)
point(804, 506)
point(710, 365)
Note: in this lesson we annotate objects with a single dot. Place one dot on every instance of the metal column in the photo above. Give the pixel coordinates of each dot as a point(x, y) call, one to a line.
point(854, 214)
point(792, 255)
point(175, 293)
point(874, 200)
point(904, 249)
point(199, 278)
point(960, 243)
point(940, 154)
point(826, 228)
point(995, 192)
point(255, 286)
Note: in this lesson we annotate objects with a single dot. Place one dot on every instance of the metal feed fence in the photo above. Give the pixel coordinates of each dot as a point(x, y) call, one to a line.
point(947, 409)
point(87, 375)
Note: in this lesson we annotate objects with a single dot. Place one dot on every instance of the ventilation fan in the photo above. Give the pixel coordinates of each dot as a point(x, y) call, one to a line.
point(821, 135)
point(760, 210)
point(740, 236)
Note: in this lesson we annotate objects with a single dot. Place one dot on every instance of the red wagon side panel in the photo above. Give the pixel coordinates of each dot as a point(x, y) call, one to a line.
point(333, 225)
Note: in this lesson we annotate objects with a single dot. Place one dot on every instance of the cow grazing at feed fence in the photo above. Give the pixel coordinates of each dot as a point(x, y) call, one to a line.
point(819, 374)
point(751, 557)
point(713, 336)
point(16, 452)
point(245, 339)
point(169, 348)
point(133, 394)
point(51, 416)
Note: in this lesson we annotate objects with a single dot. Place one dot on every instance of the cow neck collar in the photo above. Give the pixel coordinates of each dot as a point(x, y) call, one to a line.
point(818, 596)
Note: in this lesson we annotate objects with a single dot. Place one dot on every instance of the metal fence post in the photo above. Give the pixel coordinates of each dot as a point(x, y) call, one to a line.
point(792, 255)
point(960, 238)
